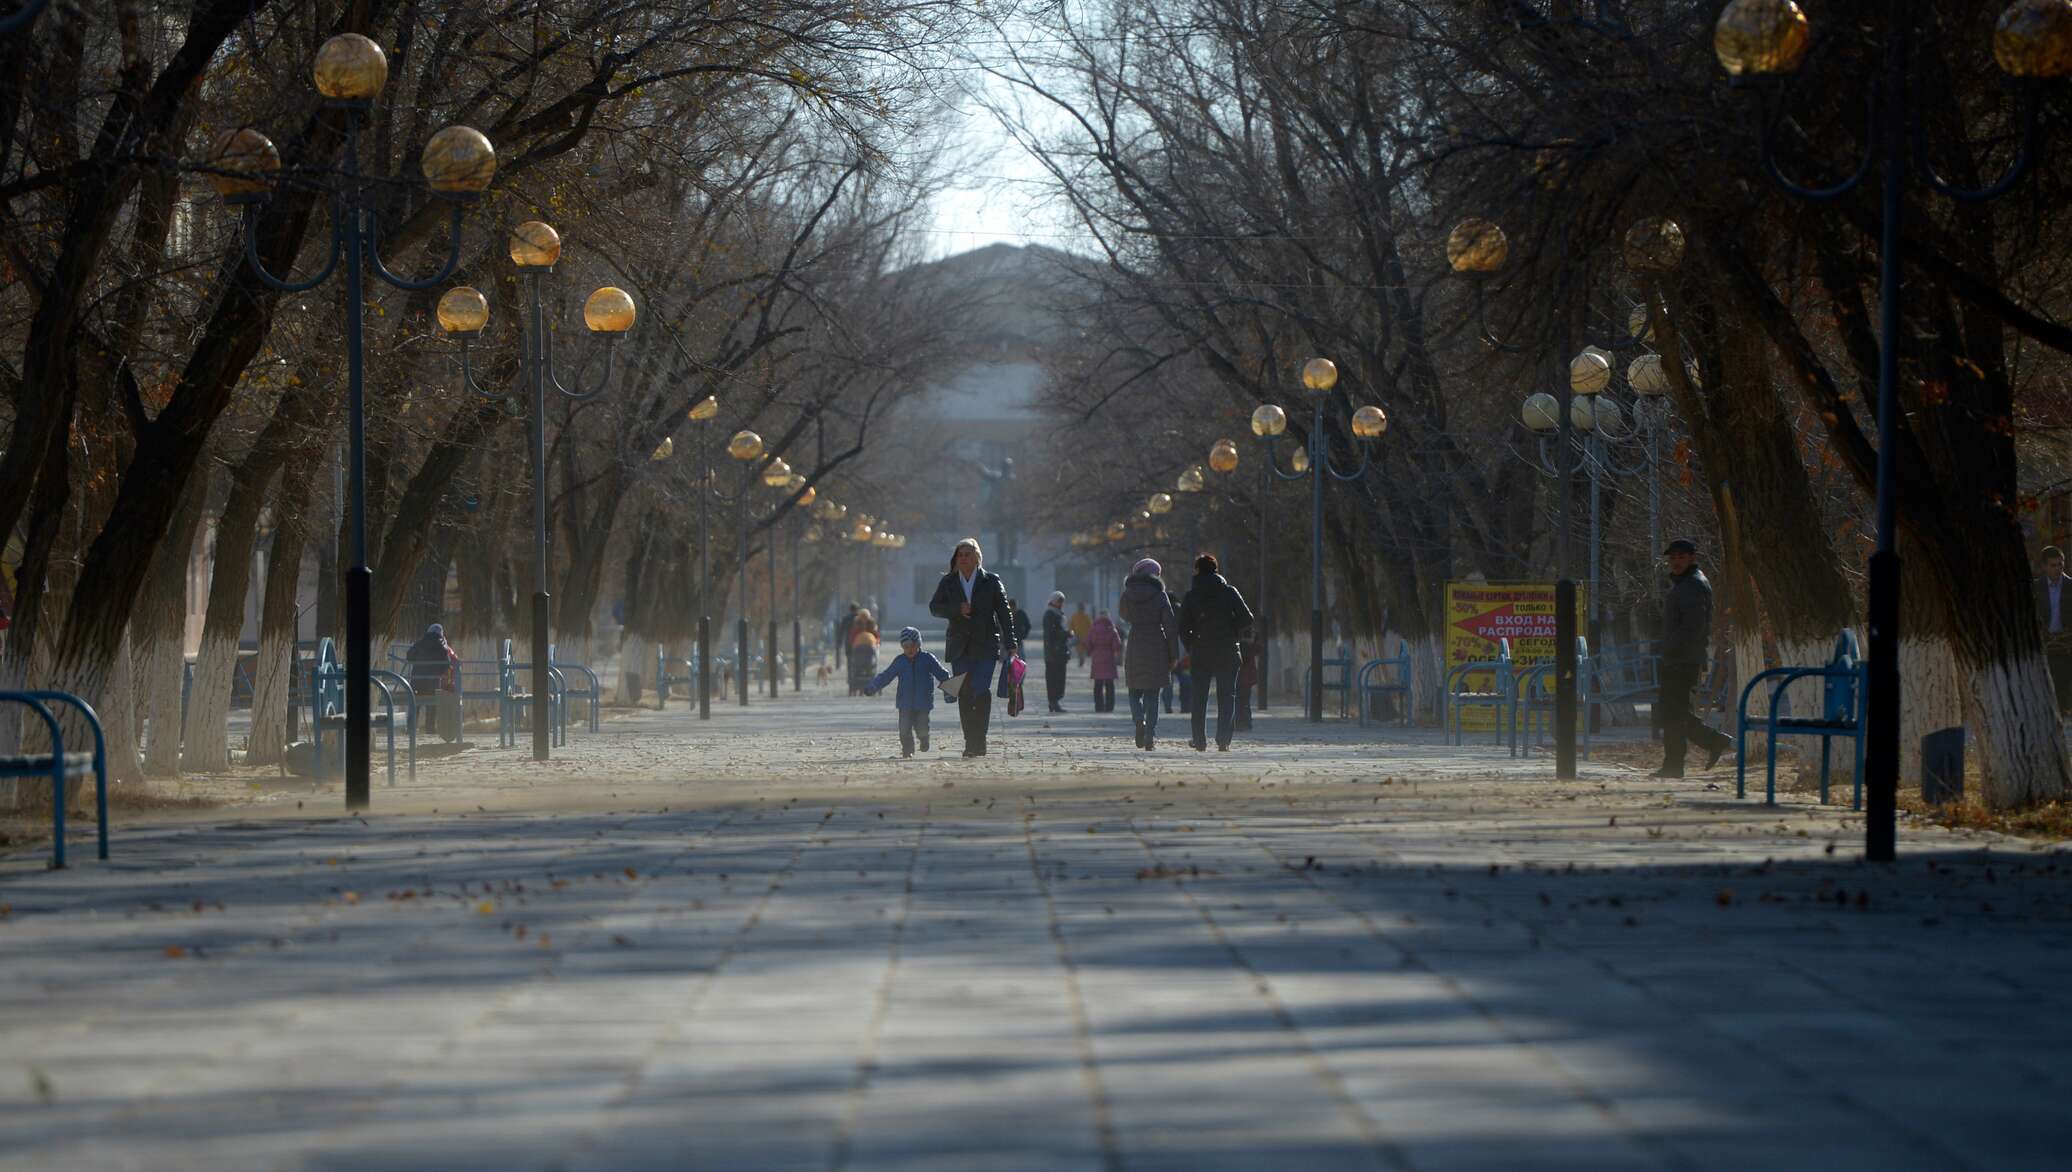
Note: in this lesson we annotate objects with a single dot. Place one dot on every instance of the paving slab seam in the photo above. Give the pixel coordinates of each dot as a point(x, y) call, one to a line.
point(867, 1062)
point(500, 1005)
point(671, 1031)
point(1383, 1146)
point(1604, 1105)
point(1082, 1031)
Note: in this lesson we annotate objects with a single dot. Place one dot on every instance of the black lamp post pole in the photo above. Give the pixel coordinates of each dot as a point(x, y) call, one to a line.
point(352, 241)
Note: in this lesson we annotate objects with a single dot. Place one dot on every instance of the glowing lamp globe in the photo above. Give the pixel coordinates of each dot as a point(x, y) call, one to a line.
point(1191, 480)
point(665, 449)
point(350, 68)
point(1477, 246)
point(535, 245)
point(1269, 421)
point(1606, 416)
point(1369, 422)
point(1542, 412)
point(1757, 38)
point(777, 475)
point(1223, 456)
point(1319, 375)
point(2034, 38)
point(1582, 413)
point(1642, 330)
point(704, 409)
point(1299, 461)
point(1117, 531)
point(1654, 245)
point(746, 445)
point(1644, 374)
point(1589, 372)
point(458, 161)
point(463, 310)
point(609, 311)
point(243, 164)
point(1159, 504)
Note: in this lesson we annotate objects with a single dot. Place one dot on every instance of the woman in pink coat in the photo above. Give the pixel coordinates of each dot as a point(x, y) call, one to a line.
point(1104, 649)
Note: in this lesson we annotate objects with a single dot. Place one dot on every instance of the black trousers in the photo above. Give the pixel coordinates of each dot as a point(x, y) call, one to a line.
point(2061, 678)
point(1224, 676)
point(1681, 726)
point(1054, 677)
point(1104, 695)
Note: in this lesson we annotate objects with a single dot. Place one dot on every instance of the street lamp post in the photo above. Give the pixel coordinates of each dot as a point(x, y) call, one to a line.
point(1759, 39)
point(535, 249)
point(458, 163)
point(745, 446)
point(1269, 422)
point(1600, 449)
point(704, 411)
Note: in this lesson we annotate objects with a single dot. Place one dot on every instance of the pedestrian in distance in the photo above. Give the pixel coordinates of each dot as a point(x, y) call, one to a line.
point(842, 626)
point(863, 649)
point(1213, 623)
point(917, 672)
point(1082, 625)
point(435, 679)
point(1104, 651)
point(2054, 616)
point(1175, 690)
point(980, 639)
point(1251, 654)
point(1057, 650)
point(1153, 652)
point(1686, 647)
point(1018, 623)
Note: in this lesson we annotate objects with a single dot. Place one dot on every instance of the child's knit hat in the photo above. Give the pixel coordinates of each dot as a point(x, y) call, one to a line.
point(909, 635)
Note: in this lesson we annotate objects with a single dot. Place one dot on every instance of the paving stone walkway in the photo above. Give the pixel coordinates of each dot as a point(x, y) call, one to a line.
point(767, 943)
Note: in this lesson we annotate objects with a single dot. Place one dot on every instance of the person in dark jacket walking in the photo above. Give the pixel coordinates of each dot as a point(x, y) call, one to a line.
point(980, 638)
point(1057, 650)
point(435, 679)
point(917, 672)
point(1152, 654)
point(1019, 623)
point(1213, 624)
point(1686, 646)
point(842, 626)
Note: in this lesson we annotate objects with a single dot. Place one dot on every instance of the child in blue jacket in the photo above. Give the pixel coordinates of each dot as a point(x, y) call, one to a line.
point(917, 672)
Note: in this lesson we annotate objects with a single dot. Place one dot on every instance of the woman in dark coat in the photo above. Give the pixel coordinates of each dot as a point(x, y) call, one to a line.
point(1153, 651)
point(980, 638)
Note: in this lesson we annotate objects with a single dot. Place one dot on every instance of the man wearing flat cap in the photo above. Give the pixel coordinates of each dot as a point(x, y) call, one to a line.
point(1686, 646)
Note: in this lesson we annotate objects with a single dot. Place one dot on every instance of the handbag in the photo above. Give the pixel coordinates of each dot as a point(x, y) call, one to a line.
point(1010, 690)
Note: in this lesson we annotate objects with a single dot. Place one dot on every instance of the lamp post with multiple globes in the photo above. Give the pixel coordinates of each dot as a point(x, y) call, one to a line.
point(1758, 40)
point(535, 249)
point(1269, 423)
point(458, 163)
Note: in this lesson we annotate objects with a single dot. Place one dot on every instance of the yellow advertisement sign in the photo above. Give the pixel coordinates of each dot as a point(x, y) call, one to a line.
point(1479, 614)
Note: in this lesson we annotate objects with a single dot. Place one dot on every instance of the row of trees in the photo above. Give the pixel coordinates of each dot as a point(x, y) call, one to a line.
point(750, 174)
point(1271, 180)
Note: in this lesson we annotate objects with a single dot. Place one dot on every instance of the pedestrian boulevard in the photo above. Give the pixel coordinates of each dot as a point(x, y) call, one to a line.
point(768, 943)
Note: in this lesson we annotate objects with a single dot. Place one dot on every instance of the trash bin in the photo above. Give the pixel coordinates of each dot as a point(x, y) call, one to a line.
point(1942, 766)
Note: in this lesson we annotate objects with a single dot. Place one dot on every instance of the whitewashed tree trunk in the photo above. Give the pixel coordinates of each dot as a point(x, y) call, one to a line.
point(270, 698)
point(1427, 679)
point(165, 665)
point(2021, 738)
point(208, 704)
point(1932, 696)
point(636, 657)
point(118, 717)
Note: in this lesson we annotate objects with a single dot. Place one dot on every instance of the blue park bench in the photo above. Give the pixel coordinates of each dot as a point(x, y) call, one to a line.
point(514, 698)
point(1842, 687)
point(1338, 677)
point(588, 691)
point(1532, 708)
point(327, 708)
point(1461, 693)
point(671, 670)
point(1376, 683)
point(58, 765)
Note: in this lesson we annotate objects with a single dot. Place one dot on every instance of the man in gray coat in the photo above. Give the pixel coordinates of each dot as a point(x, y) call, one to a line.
point(1686, 647)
